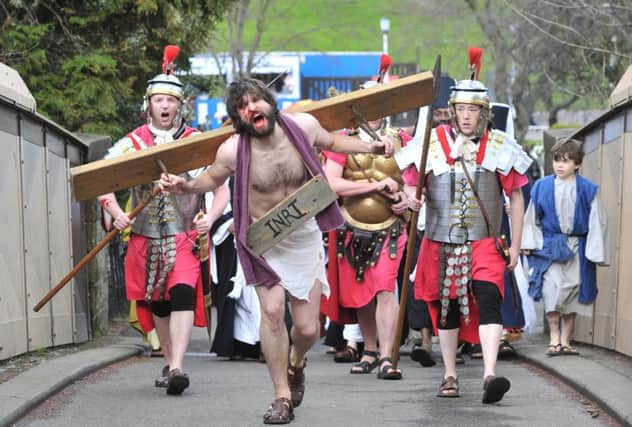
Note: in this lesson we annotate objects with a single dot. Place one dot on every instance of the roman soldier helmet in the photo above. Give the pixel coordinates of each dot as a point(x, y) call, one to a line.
point(385, 63)
point(472, 91)
point(166, 83)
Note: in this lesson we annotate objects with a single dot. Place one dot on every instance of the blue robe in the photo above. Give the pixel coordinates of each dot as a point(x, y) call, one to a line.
point(555, 247)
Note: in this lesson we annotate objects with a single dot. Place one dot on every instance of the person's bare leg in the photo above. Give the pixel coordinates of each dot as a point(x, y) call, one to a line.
point(305, 331)
point(568, 325)
point(426, 337)
point(274, 338)
point(162, 329)
point(305, 324)
point(490, 337)
point(180, 329)
point(368, 327)
point(386, 319)
point(449, 342)
point(553, 318)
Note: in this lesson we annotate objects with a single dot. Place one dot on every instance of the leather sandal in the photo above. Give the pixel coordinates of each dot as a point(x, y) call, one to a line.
point(494, 388)
point(296, 381)
point(553, 350)
point(386, 371)
point(365, 367)
point(449, 388)
point(279, 412)
point(163, 380)
point(506, 350)
point(423, 355)
point(347, 355)
point(567, 350)
point(178, 382)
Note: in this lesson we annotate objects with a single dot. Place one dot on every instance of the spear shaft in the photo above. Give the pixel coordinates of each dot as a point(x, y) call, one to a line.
point(412, 231)
point(90, 255)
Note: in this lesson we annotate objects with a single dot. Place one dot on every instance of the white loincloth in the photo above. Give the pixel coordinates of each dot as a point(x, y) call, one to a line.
point(299, 260)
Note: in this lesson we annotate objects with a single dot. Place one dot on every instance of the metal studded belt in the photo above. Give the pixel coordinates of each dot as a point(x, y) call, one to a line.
point(161, 257)
point(455, 266)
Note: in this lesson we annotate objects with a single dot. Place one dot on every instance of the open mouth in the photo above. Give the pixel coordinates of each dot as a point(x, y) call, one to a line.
point(257, 119)
point(164, 115)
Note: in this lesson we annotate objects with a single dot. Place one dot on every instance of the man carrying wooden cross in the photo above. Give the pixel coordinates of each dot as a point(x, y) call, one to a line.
point(272, 156)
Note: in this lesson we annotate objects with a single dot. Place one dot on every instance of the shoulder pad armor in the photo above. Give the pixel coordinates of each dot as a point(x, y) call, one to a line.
point(437, 161)
point(124, 145)
point(503, 153)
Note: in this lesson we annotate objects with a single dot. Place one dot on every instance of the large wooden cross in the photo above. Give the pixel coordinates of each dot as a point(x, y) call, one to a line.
point(106, 176)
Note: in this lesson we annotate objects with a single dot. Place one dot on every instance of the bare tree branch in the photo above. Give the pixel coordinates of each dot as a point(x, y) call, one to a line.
point(520, 13)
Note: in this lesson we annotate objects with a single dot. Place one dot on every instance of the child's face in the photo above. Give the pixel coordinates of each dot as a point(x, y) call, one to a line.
point(564, 168)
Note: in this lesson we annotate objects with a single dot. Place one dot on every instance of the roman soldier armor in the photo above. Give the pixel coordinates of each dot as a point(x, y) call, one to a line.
point(369, 216)
point(166, 214)
point(454, 216)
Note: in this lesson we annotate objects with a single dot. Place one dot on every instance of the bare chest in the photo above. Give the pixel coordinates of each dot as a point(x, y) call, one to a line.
point(274, 171)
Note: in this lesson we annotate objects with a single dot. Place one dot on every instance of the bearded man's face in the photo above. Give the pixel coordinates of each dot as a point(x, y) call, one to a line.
point(257, 118)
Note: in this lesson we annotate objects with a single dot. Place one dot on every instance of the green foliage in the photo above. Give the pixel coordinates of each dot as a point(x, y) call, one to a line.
point(87, 62)
point(419, 30)
point(566, 126)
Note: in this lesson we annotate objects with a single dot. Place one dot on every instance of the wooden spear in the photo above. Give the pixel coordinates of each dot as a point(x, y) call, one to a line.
point(412, 230)
point(86, 259)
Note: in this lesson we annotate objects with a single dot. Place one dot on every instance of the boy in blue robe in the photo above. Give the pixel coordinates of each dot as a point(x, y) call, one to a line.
point(565, 236)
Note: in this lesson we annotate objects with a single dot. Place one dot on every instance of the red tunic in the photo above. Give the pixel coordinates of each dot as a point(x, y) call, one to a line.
point(346, 292)
point(487, 264)
point(186, 269)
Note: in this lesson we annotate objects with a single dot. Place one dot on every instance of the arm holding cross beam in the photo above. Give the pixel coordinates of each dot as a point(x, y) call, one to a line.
point(214, 176)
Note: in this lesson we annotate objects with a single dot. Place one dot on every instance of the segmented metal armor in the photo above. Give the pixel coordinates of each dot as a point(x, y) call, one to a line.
point(368, 216)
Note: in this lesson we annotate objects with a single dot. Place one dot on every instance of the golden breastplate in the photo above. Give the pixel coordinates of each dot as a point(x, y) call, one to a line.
point(370, 211)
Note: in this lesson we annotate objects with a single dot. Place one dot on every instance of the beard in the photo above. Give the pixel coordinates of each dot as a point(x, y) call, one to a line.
point(246, 128)
point(439, 122)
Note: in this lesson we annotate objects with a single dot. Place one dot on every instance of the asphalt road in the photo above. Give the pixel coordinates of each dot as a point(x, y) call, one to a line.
point(237, 393)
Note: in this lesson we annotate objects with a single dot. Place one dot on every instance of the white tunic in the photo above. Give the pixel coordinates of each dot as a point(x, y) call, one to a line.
point(560, 289)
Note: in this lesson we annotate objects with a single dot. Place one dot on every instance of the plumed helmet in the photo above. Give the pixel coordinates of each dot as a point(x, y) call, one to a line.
point(471, 91)
point(166, 83)
point(385, 63)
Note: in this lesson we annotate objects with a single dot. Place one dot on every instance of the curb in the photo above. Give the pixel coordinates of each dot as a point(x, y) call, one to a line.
point(606, 401)
point(23, 393)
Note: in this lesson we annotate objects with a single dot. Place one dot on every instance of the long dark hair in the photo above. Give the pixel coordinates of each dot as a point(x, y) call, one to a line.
point(246, 86)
